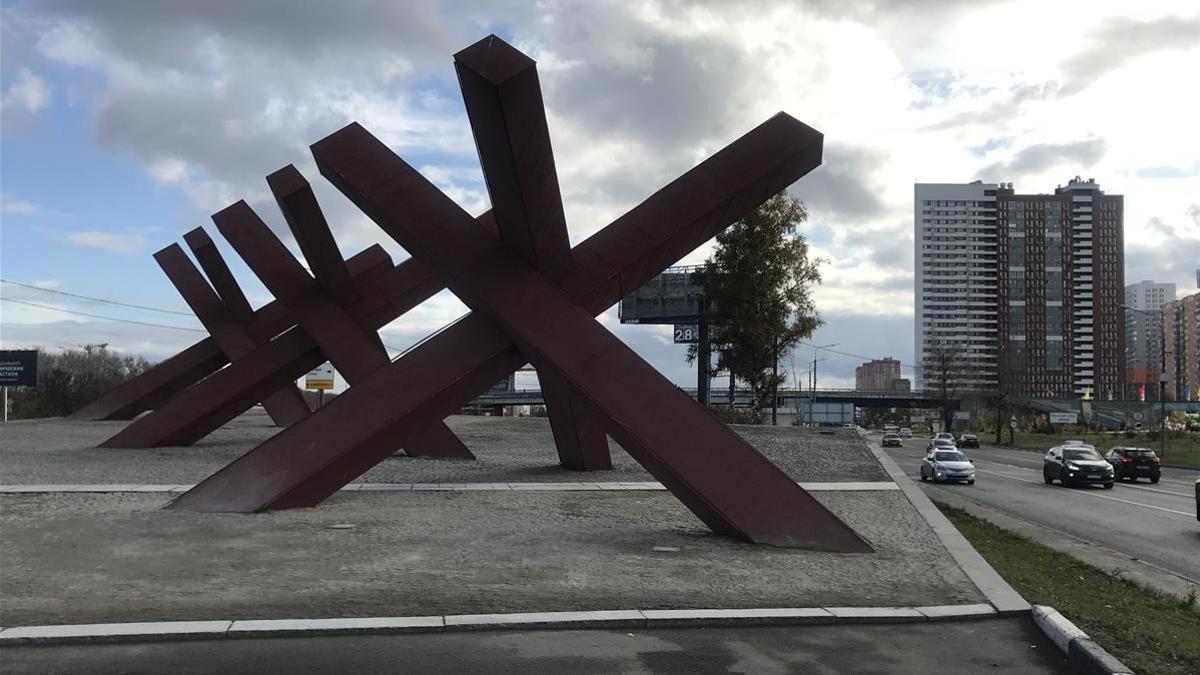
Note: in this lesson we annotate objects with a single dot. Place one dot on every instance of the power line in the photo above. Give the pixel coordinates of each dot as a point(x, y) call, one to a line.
point(854, 356)
point(106, 318)
point(94, 299)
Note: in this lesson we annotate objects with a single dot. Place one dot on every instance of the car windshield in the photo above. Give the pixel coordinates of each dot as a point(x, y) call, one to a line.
point(1081, 453)
point(949, 457)
point(943, 442)
point(891, 436)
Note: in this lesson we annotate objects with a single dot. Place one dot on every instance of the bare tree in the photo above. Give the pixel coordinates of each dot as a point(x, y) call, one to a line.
point(945, 369)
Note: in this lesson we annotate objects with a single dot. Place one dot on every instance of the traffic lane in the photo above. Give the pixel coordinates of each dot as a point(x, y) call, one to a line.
point(1009, 645)
point(1157, 498)
point(1176, 481)
point(1161, 530)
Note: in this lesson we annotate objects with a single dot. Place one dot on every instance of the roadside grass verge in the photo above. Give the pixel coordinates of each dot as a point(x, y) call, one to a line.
point(1183, 448)
point(1150, 631)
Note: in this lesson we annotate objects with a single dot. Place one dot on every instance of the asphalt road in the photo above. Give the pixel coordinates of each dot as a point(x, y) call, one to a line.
point(1148, 531)
point(1012, 645)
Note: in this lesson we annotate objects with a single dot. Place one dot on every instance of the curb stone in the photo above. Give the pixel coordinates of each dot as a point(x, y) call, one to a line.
point(1084, 654)
point(609, 619)
point(995, 589)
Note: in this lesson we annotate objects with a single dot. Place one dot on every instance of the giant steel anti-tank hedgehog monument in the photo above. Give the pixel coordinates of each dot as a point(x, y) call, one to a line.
point(533, 299)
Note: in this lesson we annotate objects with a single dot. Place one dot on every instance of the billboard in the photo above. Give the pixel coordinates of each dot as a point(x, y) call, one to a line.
point(1064, 418)
point(18, 368)
point(671, 297)
point(319, 378)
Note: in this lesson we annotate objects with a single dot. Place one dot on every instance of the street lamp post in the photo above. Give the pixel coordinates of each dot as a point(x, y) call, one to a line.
point(1162, 410)
point(812, 410)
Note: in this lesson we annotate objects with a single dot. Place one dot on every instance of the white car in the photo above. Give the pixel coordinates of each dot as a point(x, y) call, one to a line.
point(948, 465)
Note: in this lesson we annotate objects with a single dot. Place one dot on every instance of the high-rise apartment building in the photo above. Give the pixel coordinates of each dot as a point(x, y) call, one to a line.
point(1025, 286)
point(877, 375)
point(1181, 342)
point(1143, 337)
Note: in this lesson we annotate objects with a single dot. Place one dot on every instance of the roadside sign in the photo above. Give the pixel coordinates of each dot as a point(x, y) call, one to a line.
point(1012, 424)
point(1137, 417)
point(962, 414)
point(319, 378)
point(18, 368)
point(686, 335)
point(1064, 418)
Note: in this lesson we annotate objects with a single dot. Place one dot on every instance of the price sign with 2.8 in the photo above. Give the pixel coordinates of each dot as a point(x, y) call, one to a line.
point(686, 335)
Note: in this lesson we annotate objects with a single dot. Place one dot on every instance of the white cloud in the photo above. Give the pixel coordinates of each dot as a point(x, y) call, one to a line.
point(109, 241)
point(29, 90)
point(18, 206)
point(209, 98)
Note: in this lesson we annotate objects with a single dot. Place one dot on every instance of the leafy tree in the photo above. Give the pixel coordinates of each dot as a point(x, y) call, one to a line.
point(69, 380)
point(757, 286)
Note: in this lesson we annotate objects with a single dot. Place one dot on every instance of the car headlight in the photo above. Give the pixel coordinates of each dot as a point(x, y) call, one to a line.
point(1072, 466)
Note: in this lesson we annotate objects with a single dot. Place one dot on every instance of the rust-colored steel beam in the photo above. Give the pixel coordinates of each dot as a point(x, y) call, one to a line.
point(220, 276)
point(508, 121)
point(680, 443)
point(762, 505)
point(285, 406)
point(195, 411)
point(153, 388)
point(354, 350)
point(307, 223)
point(385, 292)
point(347, 345)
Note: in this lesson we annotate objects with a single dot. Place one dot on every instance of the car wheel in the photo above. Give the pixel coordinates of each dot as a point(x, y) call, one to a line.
point(1154, 479)
point(1108, 486)
point(1046, 477)
point(971, 482)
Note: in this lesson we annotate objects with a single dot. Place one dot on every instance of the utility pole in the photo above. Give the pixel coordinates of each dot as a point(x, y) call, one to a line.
point(703, 358)
point(775, 387)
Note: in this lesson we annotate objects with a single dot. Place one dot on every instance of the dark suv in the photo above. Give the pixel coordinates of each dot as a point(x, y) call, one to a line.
point(968, 441)
point(1134, 462)
point(1075, 464)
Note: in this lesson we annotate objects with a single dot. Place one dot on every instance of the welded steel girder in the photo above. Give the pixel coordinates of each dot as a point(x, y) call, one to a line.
point(356, 351)
point(526, 302)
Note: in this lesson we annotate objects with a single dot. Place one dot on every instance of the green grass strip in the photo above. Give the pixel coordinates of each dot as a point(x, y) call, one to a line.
point(1151, 631)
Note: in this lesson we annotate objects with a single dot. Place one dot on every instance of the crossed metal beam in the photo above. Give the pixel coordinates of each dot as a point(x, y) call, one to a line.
point(534, 299)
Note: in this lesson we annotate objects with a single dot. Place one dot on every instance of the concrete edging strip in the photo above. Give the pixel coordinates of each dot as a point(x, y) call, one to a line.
point(1084, 654)
point(622, 618)
point(548, 486)
point(998, 592)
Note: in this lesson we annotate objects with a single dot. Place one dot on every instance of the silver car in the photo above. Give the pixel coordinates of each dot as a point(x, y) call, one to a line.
point(947, 465)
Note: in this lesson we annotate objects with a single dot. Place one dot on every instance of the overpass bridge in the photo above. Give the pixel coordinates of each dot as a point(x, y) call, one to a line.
point(787, 398)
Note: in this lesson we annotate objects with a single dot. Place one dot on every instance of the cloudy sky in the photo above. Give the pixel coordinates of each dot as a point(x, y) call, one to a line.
point(125, 124)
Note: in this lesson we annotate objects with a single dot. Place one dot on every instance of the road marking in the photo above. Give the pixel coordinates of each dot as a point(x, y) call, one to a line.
point(1093, 494)
point(1034, 523)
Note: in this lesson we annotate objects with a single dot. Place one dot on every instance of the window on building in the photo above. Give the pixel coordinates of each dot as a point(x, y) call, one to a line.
point(1054, 321)
point(1054, 286)
point(1016, 251)
point(1016, 285)
point(1016, 319)
point(1054, 355)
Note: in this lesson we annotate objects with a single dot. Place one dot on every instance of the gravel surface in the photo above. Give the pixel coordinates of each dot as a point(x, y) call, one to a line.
point(509, 450)
point(80, 558)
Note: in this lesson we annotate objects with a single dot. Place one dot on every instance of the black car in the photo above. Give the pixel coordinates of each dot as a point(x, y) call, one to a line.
point(892, 441)
point(1076, 464)
point(968, 441)
point(1130, 463)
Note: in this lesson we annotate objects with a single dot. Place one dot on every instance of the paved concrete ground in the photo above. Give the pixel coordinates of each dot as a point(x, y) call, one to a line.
point(991, 646)
point(85, 558)
point(1147, 532)
point(509, 450)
